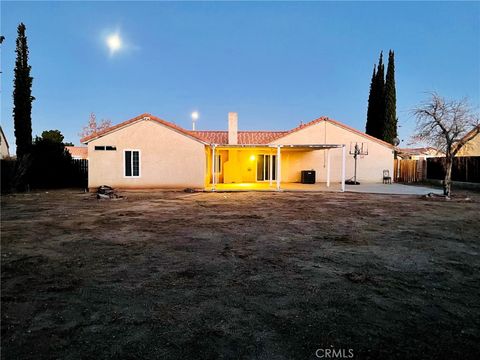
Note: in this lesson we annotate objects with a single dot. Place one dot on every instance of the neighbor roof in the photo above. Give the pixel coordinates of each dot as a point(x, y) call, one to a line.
point(4, 137)
point(78, 151)
point(221, 137)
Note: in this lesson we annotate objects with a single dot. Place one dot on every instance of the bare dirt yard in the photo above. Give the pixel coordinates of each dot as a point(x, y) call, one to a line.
point(172, 275)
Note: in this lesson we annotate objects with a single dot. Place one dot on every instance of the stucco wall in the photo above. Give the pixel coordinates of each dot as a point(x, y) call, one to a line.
point(369, 168)
point(3, 148)
point(168, 159)
point(471, 148)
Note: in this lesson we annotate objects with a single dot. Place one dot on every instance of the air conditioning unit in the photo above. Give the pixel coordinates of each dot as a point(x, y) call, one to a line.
point(308, 177)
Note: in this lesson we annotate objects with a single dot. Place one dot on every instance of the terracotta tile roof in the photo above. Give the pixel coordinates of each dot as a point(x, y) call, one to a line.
point(244, 137)
point(78, 151)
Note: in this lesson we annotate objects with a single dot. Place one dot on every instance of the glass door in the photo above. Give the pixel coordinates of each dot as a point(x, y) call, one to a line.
point(266, 167)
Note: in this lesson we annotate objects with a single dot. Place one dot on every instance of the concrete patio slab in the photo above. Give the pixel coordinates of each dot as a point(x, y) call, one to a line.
point(393, 189)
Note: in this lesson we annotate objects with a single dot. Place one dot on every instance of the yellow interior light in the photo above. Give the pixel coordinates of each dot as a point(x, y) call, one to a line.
point(252, 157)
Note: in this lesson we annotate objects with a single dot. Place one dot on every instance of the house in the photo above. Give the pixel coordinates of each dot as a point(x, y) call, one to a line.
point(418, 153)
point(148, 152)
point(472, 144)
point(78, 152)
point(4, 148)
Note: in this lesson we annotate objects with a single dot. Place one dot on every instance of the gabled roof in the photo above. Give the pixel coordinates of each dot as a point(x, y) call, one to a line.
point(78, 151)
point(221, 137)
point(141, 117)
point(475, 131)
point(420, 151)
point(339, 124)
point(4, 137)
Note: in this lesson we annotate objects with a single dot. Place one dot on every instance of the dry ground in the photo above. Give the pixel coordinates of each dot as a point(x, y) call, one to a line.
point(239, 275)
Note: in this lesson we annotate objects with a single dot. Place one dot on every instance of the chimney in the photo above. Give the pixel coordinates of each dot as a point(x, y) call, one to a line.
point(232, 128)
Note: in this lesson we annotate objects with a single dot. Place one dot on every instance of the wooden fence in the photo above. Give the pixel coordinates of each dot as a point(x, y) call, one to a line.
point(408, 171)
point(464, 169)
point(80, 169)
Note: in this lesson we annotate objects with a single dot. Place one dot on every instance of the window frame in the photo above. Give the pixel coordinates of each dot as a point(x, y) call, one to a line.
point(218, 164)
point(131, 165)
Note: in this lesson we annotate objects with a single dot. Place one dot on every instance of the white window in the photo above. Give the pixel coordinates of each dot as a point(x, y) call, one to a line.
point(218, 163)
point(132, 163)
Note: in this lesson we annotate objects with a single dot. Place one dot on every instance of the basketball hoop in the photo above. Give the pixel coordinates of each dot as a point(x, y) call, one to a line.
point(356, 150)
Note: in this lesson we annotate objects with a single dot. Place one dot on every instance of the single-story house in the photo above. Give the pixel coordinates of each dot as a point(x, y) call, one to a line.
point(4, 148)
point(472, 143)
point(148, 152)
point(418, 153)
point(78, 152)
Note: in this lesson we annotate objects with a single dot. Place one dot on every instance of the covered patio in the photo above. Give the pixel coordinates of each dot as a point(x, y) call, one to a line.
point(259, 168)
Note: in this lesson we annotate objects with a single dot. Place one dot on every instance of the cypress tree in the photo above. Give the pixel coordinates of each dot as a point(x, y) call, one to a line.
point(22, 96)
point(369, 127)
point(379, 121)
point(390, 128)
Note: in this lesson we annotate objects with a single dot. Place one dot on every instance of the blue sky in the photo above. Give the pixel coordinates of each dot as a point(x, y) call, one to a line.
point(275, 63)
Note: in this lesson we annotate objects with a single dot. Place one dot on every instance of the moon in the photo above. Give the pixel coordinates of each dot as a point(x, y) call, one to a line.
point(114, 43)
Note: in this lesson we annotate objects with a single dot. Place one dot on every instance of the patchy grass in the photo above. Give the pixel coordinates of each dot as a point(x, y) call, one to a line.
point(239, 275)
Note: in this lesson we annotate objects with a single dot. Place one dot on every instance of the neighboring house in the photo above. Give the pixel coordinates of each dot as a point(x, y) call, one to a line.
point(148, 152)
point(78, 152)
point(4, 148)
point(472, 147)
point(419, 153)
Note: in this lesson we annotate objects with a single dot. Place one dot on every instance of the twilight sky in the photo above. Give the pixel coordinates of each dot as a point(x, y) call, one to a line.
point(275, 63)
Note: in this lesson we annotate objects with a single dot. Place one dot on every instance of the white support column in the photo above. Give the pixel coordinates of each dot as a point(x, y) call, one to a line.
point(328, 167)
point(213, 168)
point(270, 165)
point(279, 169)
point(343, 167)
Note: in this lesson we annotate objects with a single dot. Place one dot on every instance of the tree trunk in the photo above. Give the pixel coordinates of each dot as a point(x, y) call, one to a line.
point(447, 183)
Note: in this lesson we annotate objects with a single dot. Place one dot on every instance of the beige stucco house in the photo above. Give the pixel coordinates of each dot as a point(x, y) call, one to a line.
point(4, 148)
point(472, 146)
point(148, 152)
point(419, 153)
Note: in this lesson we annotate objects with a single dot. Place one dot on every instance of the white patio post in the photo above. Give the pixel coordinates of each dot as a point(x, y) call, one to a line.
point(213, 168)
point(343, 167)
point(279, 169)
point(270, 170)
point(328, 167)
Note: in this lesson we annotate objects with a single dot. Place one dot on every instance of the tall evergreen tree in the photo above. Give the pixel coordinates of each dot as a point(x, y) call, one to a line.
point(370, 126)
point(380, 99)
point(22, 96)
point(390, 128)
point(376, 101)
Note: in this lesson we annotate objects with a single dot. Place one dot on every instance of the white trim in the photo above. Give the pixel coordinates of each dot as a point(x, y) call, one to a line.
point(139, 164)
point(279, 170)
point(219, 163)
point(270, 163)
point(213, 168)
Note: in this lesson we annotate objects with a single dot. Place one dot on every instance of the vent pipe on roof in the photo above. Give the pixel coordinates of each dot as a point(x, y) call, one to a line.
point(232, 128)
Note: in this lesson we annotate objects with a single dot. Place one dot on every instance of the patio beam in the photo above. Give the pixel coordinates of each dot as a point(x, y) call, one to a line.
point(343, 167)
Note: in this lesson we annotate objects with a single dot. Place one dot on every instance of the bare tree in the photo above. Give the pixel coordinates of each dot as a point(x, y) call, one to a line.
point(93, 127)
point(446, 125)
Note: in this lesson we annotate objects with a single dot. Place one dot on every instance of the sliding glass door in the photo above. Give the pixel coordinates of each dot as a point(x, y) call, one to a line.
point(266, 167)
